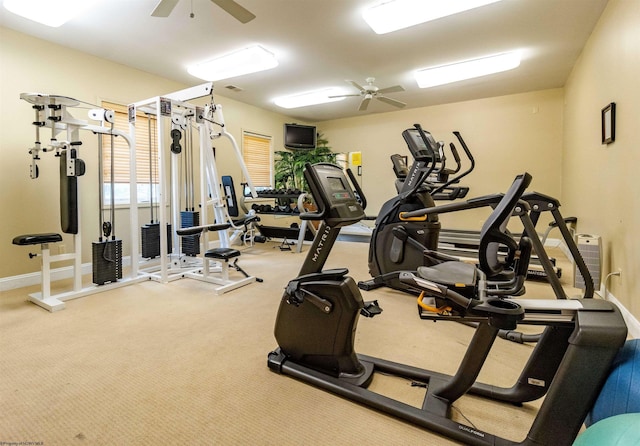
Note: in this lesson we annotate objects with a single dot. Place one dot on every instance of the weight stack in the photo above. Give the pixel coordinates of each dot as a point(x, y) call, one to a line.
point(190, 243)
point(107, 261)
point(150, 237)
point(590, 249)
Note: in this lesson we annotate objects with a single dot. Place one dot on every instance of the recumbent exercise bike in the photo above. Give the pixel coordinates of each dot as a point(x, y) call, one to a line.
point(317, 318)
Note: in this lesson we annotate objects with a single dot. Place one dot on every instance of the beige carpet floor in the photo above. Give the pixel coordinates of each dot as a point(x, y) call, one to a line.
point(174, 364)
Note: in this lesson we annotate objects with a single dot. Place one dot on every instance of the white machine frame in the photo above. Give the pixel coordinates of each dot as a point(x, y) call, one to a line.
point(181, 113)
point(65, 122)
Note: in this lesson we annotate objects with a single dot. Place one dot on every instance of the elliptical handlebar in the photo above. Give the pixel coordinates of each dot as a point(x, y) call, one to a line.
point(432, 154)
point(457, 157)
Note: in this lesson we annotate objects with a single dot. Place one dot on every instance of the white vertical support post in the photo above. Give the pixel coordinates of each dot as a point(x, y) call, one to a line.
point(175, 199)
point(203, 135)
point(133, 197)
point(162, 194)
point(73, 135)
point(45, 271)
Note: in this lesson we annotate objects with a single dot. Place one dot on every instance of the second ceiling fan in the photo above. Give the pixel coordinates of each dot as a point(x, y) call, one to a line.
point(164, 8)
point(370, 91)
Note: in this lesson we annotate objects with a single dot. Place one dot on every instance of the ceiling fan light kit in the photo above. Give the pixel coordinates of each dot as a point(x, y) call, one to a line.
point(247, 60)
point(393, 15)
point(48, 12)
point(468, 69)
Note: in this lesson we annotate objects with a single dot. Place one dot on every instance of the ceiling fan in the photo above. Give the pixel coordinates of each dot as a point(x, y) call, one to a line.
point(164, 8)
point(370, 91)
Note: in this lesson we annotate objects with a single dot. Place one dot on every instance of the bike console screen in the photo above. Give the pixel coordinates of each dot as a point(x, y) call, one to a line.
point(330, 185)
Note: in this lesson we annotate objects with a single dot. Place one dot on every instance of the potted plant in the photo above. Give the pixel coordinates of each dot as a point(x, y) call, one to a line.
point(289, 164)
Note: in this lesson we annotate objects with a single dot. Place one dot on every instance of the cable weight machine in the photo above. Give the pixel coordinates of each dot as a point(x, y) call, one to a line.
point(204, 258)
point(51, 111)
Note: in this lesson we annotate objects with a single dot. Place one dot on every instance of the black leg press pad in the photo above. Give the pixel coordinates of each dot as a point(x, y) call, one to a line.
point(37, 239)
point(222, 253)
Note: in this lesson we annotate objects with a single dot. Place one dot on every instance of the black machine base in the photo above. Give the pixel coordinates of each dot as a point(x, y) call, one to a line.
point(568, 365)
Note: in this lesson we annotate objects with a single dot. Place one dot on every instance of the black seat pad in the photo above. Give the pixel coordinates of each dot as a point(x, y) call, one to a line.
point(37, 239)
point(222, 253)
point(450, 273)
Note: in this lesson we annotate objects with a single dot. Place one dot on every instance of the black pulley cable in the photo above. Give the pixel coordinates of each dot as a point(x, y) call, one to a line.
point(150, 168)
point(100, 185)
point(191, 166)
point(112, 228)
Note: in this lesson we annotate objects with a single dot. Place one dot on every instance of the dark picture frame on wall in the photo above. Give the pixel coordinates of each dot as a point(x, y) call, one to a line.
point(609, 123)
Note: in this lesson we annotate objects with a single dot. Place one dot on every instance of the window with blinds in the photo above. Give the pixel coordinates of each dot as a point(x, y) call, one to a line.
point(146, 152)
point(256, 151)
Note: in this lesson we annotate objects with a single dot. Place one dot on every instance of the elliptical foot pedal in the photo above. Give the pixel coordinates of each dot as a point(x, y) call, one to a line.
point(371, 308)
point(368, 285)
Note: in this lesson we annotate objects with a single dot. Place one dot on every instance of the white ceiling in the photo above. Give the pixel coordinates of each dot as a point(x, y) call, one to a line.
point(321, 43)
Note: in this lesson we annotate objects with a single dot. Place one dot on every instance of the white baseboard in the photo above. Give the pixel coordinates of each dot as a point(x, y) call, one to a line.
point(65, 272)
point(633, 325)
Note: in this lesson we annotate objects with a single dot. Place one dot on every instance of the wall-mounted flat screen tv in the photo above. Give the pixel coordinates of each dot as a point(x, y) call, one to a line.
point(300, 137)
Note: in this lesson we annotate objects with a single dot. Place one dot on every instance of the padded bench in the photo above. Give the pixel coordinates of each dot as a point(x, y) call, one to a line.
point(222, 253)
point(37, 239)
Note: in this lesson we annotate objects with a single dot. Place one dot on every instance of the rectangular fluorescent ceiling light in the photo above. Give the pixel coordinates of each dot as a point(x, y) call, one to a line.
point(393, 15)
point(49, 12)
point(309, 98)
point(247, 60)
point(468, 69)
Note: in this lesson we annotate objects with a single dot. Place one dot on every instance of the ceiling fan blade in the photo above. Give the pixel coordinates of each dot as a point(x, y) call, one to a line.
point(164, 8)
point(365, 103)
point(394, 89)
point(345, 95)
point(355, 84)
point(390, 101)
point(237, 11)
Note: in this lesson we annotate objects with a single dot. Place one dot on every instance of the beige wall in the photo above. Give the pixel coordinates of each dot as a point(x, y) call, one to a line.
point(600, 182)
point(31, 206)
point(552, 134)
point(507, 135)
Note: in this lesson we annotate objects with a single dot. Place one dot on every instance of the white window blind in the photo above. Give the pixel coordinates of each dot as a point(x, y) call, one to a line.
point(256, 151)
point(146, 167)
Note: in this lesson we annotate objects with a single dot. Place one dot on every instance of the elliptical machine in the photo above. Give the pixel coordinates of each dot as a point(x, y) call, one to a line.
point(317, 318)
point(404, 244)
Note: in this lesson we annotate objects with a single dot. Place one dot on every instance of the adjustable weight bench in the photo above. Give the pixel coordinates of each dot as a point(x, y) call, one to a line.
point(223, 257)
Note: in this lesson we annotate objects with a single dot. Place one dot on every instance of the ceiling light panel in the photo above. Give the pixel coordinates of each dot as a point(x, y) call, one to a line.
point(247, 60)
point(49, 12)
point(314, 97)
point(393, 15)
point(468, 69)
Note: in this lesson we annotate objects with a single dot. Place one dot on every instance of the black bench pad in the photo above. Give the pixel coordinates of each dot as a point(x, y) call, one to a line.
point(37, 239)
point(222, 253)
point(199, 229)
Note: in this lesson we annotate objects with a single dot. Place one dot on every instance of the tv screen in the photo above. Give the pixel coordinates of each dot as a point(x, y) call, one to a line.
point(299, 137)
